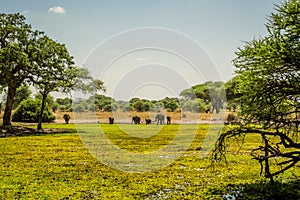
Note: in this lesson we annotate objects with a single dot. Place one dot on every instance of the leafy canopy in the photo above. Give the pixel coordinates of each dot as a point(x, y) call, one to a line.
point(268, 70)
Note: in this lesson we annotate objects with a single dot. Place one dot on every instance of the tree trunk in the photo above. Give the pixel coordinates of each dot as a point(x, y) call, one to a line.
point(44, 95)
point(218, 106)
point(8, 106)
point(267, 166)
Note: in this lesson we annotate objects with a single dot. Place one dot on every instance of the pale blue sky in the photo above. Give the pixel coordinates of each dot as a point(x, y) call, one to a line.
point(219, 26)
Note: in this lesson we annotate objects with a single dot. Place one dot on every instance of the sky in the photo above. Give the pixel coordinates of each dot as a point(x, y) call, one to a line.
point(149, 49)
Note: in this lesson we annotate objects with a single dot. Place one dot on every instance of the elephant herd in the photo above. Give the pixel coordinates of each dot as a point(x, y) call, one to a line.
point(159, 119)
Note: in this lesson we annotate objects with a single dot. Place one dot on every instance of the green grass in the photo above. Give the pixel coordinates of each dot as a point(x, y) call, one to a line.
point(52, 126)
point(59, 166)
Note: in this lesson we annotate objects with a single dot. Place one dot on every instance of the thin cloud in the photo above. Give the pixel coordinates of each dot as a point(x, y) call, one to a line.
point(57, 9)
point(141, 59)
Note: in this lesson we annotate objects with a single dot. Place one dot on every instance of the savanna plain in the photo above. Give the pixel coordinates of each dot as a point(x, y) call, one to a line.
point(59, 166)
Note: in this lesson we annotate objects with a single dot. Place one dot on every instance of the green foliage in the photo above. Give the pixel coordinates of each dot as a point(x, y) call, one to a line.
point(141, 106)
point(55, 107)
point(28, 111)
point(64, 104)
point(31, 57)
point(195, 105)
point(123, 105)
point(188, 94)
point(101, 101)
point(212, 93)
point(233, 94)
point(92, 108)
point(65, 101)
point(22, 93)
point(171, 104)
point(269, 88)
point(49, 99)
point(17, 48)
point(110, 106)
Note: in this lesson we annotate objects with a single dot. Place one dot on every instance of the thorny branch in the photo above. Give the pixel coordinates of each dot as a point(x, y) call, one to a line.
point(286, 149)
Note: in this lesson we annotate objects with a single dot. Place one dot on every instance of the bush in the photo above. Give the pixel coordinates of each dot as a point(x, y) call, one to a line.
point(28, 111)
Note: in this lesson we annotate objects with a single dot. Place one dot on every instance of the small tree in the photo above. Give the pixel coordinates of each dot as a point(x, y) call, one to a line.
point(171, 104)
point(58, 73)
point(138, 106)
point(211, 92)
point(64, 104)
point(55, 70)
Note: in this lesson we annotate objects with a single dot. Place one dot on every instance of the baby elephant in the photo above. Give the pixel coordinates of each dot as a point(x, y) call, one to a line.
point(168, 120)
point(148, 121)
point(111, 120)
point(136, 120)
point(66, 118)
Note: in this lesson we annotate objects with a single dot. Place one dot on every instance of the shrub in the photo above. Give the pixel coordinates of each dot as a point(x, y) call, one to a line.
point(28, 111)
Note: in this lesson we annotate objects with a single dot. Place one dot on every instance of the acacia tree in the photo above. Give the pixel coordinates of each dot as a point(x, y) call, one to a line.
point(188, 94)
point(56, 72)
point(269, 73)
point(217, 95)
point(210, 92)
point(232, 93)
point(16, 50)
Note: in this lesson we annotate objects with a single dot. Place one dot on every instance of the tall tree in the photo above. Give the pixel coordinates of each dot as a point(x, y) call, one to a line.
point(269, 73)
point(16, 50)
point(210, 92)
point(188, 94)
point(56, 72)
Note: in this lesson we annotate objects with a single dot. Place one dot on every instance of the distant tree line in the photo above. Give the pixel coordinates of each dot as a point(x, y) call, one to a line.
point(206, 97)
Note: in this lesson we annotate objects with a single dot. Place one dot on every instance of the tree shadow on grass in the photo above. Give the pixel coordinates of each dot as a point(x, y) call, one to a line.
point(264, 190)
point(14, 131)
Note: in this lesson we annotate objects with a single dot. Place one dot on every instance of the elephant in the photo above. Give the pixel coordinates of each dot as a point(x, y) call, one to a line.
point(136, 120)
point(111, 120)
point(168, 120)
point(148, 121)
point(160, 119)
point(66, 118)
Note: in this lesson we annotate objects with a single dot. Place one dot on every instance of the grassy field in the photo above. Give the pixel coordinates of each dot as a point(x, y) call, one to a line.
point(58, 166)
